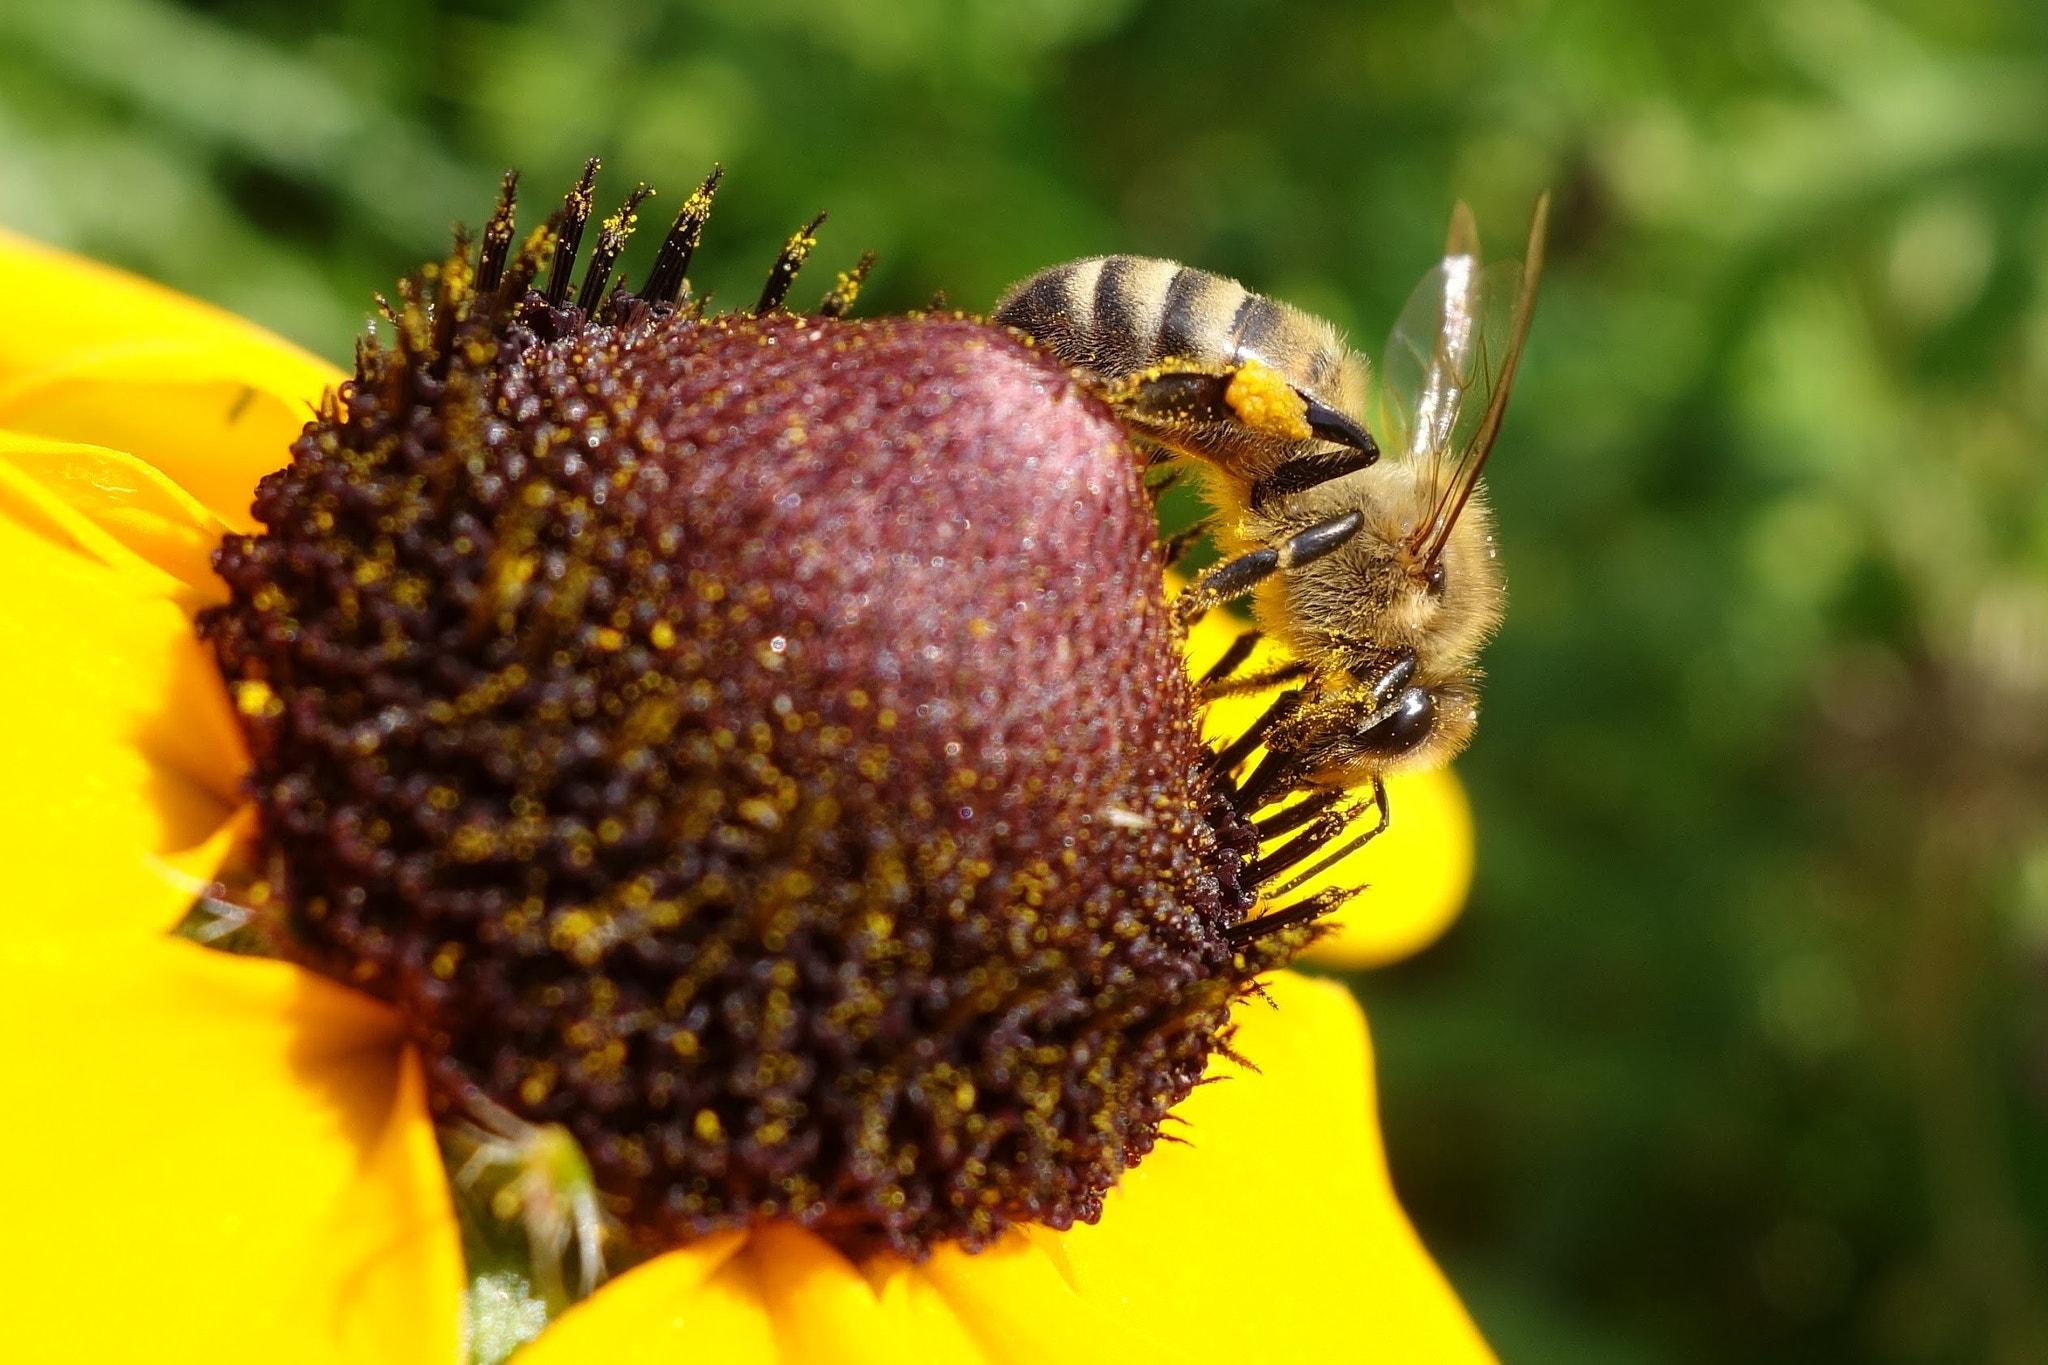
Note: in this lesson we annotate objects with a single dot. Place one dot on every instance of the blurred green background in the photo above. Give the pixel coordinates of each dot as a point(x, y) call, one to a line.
point(1740, 1053)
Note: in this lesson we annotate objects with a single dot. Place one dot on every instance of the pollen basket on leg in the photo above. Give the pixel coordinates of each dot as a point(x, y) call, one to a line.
point(758, 745)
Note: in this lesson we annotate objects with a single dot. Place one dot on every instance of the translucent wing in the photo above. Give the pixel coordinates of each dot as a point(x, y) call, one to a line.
point(1449, 365)
point(1428, 361)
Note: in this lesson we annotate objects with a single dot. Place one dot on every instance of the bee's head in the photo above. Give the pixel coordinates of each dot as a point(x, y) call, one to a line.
point(1408, 722)
point(1446, 599)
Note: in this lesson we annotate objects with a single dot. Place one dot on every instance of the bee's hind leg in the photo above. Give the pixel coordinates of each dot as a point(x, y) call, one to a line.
point(1233, 578)
point(1178, 395)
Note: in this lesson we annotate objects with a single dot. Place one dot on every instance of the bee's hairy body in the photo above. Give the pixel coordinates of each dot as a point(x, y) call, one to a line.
point(1380, 579)
point(1118, 317)
point(1353, 615)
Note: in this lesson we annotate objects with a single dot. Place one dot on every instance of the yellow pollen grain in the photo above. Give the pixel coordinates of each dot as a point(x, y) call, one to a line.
point(607, 639)
point(661, 635)
point(1265, 402)
point(255, 700)
point(707, 1126)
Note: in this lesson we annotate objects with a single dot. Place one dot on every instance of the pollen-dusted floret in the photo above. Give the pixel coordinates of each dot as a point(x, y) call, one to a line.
point(758, 745)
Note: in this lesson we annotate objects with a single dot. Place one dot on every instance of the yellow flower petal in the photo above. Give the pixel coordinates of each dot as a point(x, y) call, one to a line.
point(119, 744)
point(1415, 874)
point(823, 1308)
point(1274, 1235)
point(225, 1159)
point(700, 1303)
point(1022, 1306)
point(115, 508)
point(1280, 1202)
point(68, 307)
point(212, 401)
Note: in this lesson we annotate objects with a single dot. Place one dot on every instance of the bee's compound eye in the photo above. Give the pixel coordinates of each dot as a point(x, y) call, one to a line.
point(1402, 726)
point(1433, 581)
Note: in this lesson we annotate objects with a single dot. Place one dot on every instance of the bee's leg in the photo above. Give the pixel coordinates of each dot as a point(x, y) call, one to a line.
point(1298, 814)
point(1233, 658)
point(1246, 934)
point(1250, 394)
point(1325, 825)
point(1242, 748)
point(1299, 473)
point(1350, 846)
point(1254, 682)
point(1219, 682)
point(1234, 578)
point(1173, 548)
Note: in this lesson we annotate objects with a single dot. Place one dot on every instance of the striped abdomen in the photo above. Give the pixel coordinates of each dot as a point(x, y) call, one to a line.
point(1116, 315)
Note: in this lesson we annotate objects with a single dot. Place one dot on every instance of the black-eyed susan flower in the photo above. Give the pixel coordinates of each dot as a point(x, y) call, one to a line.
point(752, 749)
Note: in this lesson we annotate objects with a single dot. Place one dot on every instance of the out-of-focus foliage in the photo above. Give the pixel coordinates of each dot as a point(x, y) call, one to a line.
point(1741, 1052)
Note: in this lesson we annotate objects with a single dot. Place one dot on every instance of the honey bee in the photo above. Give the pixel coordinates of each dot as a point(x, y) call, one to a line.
point(1379, 576)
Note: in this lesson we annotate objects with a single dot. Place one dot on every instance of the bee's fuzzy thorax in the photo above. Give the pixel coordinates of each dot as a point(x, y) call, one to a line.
point(758, 744)
point(1379, 573)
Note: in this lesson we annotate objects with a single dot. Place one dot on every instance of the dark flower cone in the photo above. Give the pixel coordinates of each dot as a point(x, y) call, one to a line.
point(759, 745)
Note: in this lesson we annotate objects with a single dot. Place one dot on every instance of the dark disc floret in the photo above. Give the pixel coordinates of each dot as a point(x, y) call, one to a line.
point(758, 744)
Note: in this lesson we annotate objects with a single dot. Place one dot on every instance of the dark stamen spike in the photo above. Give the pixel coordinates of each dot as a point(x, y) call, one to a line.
point(498, 235)
point(569, 234)
point(665, 279)
point(788, 261)
point(839, 299)
point(454, 296)
point(524, 267)
point(611, 240)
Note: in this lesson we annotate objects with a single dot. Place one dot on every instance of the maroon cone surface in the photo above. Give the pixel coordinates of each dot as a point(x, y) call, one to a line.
point(759, 745)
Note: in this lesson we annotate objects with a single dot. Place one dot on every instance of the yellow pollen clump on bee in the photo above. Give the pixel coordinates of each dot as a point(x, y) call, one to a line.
point(1264, 401)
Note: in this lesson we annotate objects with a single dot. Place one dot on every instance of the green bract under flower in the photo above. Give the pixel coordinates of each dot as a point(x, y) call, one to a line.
point(757, 744)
